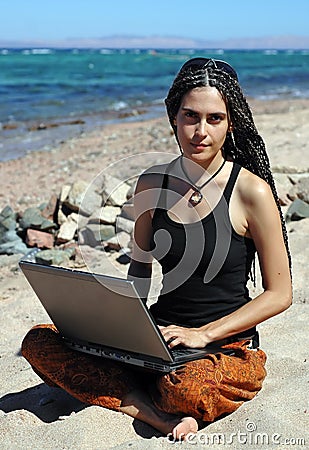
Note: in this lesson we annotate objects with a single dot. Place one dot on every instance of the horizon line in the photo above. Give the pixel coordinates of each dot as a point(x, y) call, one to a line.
point(275, 42)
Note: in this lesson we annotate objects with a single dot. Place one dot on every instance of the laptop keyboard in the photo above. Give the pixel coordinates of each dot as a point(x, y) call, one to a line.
point(177, 352)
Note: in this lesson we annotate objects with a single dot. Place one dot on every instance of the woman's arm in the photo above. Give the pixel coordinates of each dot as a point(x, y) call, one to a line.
point(140, 269)
point(264, 226)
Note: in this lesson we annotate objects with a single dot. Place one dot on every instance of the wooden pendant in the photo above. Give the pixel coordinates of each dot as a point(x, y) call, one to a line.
point(195, 198)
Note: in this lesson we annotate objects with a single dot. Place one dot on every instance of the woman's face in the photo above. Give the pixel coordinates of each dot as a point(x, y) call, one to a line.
point(202, 123)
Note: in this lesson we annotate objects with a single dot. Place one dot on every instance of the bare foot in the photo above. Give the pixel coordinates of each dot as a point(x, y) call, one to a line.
point(187, 425)
point(139, 405)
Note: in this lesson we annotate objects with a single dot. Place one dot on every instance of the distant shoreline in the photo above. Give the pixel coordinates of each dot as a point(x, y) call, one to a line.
point(21, 137)
point(45, 50)
point(166, 42)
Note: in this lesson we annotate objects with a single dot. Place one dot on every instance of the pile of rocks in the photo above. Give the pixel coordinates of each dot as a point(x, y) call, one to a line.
point(293, 191)
point(97, 214)
point(100, 215)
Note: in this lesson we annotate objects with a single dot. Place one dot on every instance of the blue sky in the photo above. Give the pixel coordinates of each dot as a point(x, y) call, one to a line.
point(216, 19)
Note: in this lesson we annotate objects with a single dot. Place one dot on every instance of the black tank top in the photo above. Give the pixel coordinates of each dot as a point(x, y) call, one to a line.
point(205, 264)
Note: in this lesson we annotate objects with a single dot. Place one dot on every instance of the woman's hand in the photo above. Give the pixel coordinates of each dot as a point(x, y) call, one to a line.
point(188, 337)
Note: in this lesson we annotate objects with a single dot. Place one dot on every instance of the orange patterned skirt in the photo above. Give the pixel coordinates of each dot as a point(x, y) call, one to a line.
point(204, 389)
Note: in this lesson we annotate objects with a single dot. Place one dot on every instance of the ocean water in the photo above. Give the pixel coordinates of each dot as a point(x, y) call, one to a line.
point(98, 86)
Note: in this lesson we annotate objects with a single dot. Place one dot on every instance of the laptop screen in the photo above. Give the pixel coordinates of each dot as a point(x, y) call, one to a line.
point(95, 308)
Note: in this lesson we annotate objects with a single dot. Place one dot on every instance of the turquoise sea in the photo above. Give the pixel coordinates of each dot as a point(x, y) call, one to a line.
point(97, 86)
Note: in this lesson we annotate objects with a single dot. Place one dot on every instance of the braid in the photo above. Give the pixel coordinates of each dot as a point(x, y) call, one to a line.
point(244, 145)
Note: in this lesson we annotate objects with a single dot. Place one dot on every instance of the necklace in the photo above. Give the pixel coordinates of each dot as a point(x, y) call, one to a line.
point(197, 196)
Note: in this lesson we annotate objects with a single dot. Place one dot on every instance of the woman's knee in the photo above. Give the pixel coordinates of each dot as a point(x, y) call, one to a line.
point(38, 338)
point(208, 388)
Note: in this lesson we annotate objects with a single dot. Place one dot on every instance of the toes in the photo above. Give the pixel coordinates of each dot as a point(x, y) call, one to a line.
point(184, 427)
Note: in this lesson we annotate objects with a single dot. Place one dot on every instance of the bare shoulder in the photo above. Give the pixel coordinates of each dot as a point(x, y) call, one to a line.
point(151, 178)
point(252, 188)
point(148, 190)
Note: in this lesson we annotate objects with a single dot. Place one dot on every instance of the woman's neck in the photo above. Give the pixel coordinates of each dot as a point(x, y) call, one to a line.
point(198, 173)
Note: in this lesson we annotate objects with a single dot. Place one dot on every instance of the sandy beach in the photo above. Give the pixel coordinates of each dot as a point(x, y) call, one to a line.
point(33, 415)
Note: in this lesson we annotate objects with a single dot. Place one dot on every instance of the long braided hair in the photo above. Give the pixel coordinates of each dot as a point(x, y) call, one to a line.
point(244, 145)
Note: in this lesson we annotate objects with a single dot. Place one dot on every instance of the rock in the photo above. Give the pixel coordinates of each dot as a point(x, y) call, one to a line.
point(44, 126)
point(81, 220)
point(53, 257)
point(295, 177)
point(64, 193)
point(94, 234)
point(13, 247)
point(303, 189)
point(70, 248)
point(292, 194)
point(9, 236)
point(50, 208)
point(68, 229)
point(298, 210)
point(106, 214)
point(40, 239)
point(10, 242)
point(61, 217)
point(115, 191)
point(119, 241)
point(105, 231)
point(7, 220)
point(7, 260)
point(124, 257)
point(76, 194)
point(127, 210)
point(5, 236)
point(123, 224)
point(300, 190)
point(283, 186)
point(84, 198)
point(131, 190)
point(87, 238)
point(32, 218)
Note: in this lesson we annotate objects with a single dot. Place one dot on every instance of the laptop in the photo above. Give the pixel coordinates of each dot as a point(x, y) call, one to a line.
point(104, 316)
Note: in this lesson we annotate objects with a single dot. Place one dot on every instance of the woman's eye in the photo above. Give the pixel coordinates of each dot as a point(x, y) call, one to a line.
point(190, 114)
point(215, 118)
